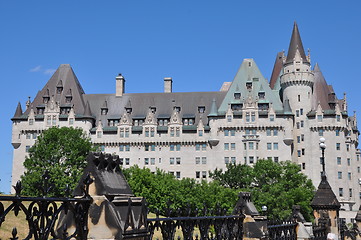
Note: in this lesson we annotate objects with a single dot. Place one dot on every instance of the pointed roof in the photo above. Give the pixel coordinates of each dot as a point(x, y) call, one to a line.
point(325, 198)
point(296, 43)
point(87, 111)
point(63, 77)
point(18, 112)
point(276, 72)
point(214, 111)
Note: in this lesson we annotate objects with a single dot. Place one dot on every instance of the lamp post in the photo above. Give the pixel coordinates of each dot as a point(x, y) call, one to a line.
point(323, 147)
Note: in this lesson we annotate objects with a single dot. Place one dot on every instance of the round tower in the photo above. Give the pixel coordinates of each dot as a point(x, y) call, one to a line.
point(297, 78)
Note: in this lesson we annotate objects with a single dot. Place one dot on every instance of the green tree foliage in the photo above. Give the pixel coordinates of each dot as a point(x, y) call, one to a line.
point(278, 186)
point(158, 188)
point(62, 152)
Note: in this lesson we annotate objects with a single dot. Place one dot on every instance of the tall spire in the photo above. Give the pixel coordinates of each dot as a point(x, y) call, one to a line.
point(296, 43)
point(18, 111)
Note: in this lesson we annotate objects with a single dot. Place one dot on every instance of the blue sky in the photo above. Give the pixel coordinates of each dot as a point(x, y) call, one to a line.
point(199, 43)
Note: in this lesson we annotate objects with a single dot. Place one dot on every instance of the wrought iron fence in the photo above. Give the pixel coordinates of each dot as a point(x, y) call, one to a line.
point(197, 225)
point(282, 231)
point(319, 232)
point(43, 212)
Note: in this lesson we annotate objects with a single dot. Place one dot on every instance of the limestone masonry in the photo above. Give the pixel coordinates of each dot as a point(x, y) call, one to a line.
point(191, 133)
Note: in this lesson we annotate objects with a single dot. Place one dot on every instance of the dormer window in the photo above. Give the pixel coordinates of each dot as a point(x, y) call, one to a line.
point(40, 110)
point(201, 109)
point(104, 111)
point(64, 110)
point(261, 95)
point(152, 109)
point(249, 85)
point(237, 95)
point(177, 109)
point(128, 110)
point(236, 107)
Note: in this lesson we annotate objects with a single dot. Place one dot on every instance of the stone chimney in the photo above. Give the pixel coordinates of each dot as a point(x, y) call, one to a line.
point(168, 85)
point(119, 85)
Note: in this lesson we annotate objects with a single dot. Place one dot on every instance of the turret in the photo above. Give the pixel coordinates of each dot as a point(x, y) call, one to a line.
point(297, 78)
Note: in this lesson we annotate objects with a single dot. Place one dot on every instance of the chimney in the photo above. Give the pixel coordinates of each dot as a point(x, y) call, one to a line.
point(119, 85)
point(168, 85)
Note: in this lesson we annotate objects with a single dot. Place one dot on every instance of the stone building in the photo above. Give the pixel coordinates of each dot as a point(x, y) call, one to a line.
point(190, 133)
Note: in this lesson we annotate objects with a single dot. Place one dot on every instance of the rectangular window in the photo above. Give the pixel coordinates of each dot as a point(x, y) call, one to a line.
point(338, 146)
point(35, 135)
point(127, 133)
point(250, 145)
point(339, 175)
point(226, 146)
point(269, 146)
point(337, 133)
point(349, 176)
point(152, 132)
point(226, 160)
point(152, 161)
point(233, 160)
point(298, 125)
point(301, 111)
point(338, 117)
point(268, 132)
point(171, 132)
point(245, 146)
point(121, 132)
point(358, 169)
point(198, 160)
point(200, 133)
point(198, 174)
point(198, 147)
point(177, 132)
point(303, 151)
point(233, 146)
point(204, 147)
point(127, 148)
point(229, 118)
point(28, 136)
point(319, 118)
point(27, 149)
point(178, 147)
point(178, 160)
point(340, 192)
point(178, 175)
point(147, 132)
point(298, 139)
point(251, 159)
point(271, 117)
point(127, 161)
point(171, 161)
point(275, 132)
point(31, 121)
point(299, 98)
point(275, 146)
point(121, 148)
point(204, 174)
point(303, 166)
point(302, 124)
point(347, 147)
point(226, 133)
point(297, 113)
point(350, 192)
point(99, 134)
point(253, 117)
point(146, 161)
point(302, 137)
point(233, 132)
point(320, 132)
point(298, 153)
point(338, 160)
point(348, 161)
point(171, 147)
point(247, 117)
point(204, 160)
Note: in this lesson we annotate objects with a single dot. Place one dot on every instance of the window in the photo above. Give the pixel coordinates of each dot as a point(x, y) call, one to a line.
point(48, 120)
point(226, 146)
point(302, 137)
point(54, 120)
point(99, 134)
point(349, 176)
point(297, 113)
point(226, 133)
point(275, 132)
point(178, 160)
point(319, 118)
point(171, 132)
point(71, 121)
point(338, 118)
point(271, 117)
point(348, 161)
point(35, 135)
point(303, 166)
point(358, 169)
point(268, 131)
point(233, 160)
point(253, 117)
point(350, 192)
point(320, 132)
point(27, 149)
point(275, 146)
point(247, 117)
point(302, 124)
point(177, 132)
point(204, 160)
point(233, 132)
point(340, 192)
point(198, 160)
point(178, 175)
point(245, 146)
point(337, 133)
point(146, 161)
point(178, 147)
point(347, 147)
point(171, 147)
point(338, 146)
point(204, 147)
point(31, 121)
point(171, 161)
point(127, 148)
point(299, 98)
point(28, 136)
point(298, 153)
point(301, 111)
point(102, 147)
point(233, 146)
point(251, 145)
point(204, 174)
point(127, 161)
point(303, 151)
point(229, 118)
point(298, 139)
point(152, 161)
point(338, 160)
point(200, 133)
point(251, 159)
point(198, 174)
point(298, 125)
point(269, 146)
point(198, 147)
point(339, 175)
point(226, 160)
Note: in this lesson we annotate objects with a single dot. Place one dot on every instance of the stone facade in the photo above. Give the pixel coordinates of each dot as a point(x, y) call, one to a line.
point(191, 133)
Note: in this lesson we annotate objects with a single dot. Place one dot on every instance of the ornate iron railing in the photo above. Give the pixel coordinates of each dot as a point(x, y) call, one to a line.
point(197, 225)
point(319, 232)
point(282, 231)
point(42, 212)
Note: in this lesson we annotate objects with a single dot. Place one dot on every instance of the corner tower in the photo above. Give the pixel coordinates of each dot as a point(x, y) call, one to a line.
point(297, 78)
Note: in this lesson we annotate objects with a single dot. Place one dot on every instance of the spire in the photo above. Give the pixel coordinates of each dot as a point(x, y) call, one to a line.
point(18, 111)
point(295, 44)
point(325, 197)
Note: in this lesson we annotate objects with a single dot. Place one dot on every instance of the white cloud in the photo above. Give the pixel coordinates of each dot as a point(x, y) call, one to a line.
point(49, 71)
point(36, 69)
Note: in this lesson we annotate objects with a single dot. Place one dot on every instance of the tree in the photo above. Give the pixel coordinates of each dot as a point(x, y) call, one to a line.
point(60, 151)
point(278, 186)
point(159, 188)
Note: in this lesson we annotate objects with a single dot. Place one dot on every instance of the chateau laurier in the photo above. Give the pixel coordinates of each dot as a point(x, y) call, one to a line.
point(191, 133)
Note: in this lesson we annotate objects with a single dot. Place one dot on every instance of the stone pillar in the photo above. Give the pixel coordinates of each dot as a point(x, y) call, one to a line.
point(168, 82)
point(119, 85)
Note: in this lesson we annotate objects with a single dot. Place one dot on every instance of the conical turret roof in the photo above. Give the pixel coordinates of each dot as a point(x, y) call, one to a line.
point(295, 44)
point(325, 198)
point(18, 112)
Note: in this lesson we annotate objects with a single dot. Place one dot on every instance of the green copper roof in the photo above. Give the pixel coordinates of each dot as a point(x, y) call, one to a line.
point(249, 73)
